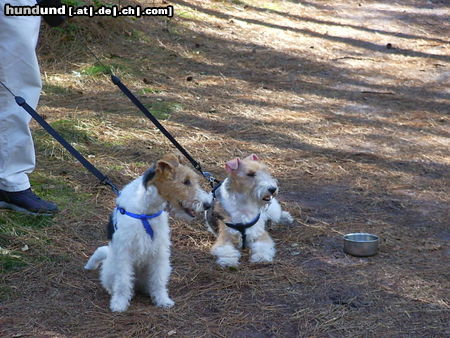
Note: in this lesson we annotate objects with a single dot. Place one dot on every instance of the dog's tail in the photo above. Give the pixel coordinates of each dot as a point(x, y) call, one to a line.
point(98, 257)
point(211, 223)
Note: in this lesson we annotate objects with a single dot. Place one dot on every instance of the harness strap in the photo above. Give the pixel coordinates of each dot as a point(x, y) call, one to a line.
point(144, 219)
point(241, 227)
point(215, 189)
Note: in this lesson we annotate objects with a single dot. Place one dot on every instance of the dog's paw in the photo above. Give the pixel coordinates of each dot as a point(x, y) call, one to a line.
point(165, 303)
point(228, 261)
point(286, 218)
point(119, 305)
point(261, 258)
point(91, 266)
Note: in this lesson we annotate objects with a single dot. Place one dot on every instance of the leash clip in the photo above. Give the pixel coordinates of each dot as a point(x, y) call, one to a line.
point(209, 176)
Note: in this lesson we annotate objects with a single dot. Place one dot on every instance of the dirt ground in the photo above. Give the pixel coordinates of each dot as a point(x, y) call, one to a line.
point(346, 101)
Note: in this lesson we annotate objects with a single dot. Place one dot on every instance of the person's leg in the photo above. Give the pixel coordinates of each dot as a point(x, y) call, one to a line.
point(19, 71)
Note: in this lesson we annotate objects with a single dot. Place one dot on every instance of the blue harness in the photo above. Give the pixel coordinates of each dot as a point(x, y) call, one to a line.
point(144, 219)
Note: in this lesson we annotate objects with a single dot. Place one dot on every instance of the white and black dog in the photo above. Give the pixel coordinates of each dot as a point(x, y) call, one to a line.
point(138, 254)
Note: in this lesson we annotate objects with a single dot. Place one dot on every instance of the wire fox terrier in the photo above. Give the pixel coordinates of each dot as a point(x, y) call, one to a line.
point(138, 254)
point(243, 203)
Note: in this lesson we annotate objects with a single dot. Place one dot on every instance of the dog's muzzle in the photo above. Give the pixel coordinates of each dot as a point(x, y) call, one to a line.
point(272, 192)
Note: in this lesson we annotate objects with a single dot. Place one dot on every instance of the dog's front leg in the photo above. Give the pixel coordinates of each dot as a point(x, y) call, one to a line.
point(225, 251)
point(97, 258)
point(277, 215)
point(262, 249)
point(158, 277)
point(123, 284)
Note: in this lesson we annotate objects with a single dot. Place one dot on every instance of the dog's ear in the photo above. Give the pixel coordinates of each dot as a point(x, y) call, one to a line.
point(148, 176)
point(252, 157)
point(232, 165)
point(180, 157)
point(167, 165)
point(171, 158)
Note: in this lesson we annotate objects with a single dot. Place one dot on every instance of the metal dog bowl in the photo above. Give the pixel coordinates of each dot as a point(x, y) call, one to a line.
point(361, 244)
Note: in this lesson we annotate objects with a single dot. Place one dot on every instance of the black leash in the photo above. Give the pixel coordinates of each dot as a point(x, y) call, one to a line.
point(116, 80)
point(161, 128)
point(88, 165)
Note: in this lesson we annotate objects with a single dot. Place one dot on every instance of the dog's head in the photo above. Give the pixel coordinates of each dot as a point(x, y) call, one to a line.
point(179, 185)
point(251, 177)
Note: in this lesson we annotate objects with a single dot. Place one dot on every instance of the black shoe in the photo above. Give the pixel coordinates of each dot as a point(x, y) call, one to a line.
point(26, 202)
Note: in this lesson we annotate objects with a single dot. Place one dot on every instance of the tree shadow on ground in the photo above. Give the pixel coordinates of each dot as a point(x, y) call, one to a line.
point(347, 40)
point(347, 25)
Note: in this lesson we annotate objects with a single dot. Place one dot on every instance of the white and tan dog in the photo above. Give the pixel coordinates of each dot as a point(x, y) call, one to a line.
point(243, 203)
point(138, 254)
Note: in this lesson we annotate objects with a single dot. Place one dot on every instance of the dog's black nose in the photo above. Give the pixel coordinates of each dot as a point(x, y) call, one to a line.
point(206, 205)
point(272, 190)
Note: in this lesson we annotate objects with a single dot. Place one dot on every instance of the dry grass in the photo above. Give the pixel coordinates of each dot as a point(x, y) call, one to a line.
point(356, 133)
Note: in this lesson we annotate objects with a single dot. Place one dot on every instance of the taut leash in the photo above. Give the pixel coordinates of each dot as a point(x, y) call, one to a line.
point(88, 165)
point(125, 90)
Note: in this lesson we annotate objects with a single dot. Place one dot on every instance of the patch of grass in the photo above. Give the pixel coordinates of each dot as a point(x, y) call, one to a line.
point(144, 91)
point(18, 230)
point(138, 35)
point(96, 70)
point(140, 164)
point(10, 260)
point(73, 131)
point(116, 167)
point(162, 110)
point(5, 292)
point(55, 89)
point(24, 221)
point(275, 6)
point(234, 2)
point(84, 135)
point(187, 14)
point(58, 191)
point(75, 3)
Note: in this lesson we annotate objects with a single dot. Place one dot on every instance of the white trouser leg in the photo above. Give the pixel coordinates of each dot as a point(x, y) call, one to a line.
point(19, 70)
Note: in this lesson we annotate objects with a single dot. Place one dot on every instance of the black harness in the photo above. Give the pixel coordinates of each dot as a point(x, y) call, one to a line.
point(241, 227)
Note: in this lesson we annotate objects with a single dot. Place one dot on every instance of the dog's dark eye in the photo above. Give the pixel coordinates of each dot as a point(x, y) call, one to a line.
point(187, 181)
point(251, 174)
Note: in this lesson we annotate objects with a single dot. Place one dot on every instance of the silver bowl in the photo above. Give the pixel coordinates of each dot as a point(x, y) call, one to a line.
point(361, 244)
